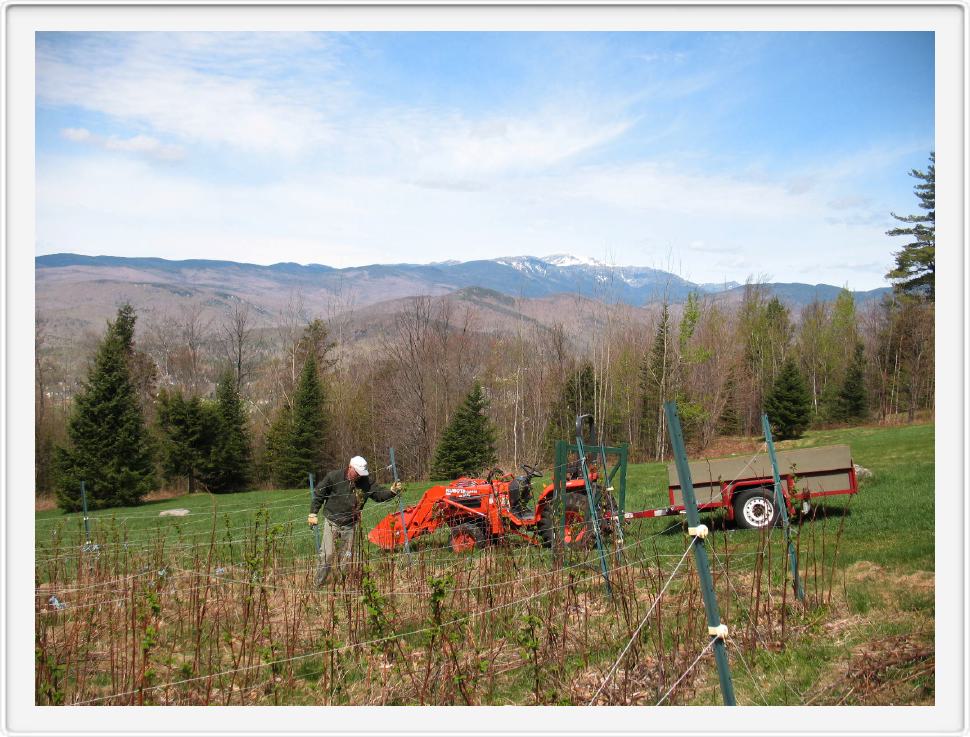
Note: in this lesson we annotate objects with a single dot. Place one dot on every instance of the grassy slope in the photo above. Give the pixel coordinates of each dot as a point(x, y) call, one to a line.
point(889, 523)
point(884, 579)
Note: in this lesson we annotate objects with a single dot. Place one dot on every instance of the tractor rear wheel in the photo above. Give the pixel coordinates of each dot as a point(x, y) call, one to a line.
point(579, 533)
point(755, 509)
point(466, 538)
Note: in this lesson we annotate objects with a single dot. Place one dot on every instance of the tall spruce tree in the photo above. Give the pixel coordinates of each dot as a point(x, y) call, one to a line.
point(577, 397)
point(230, 460)
point(187, 428)
point(656, 386)
point(303, 445)
point(110, 448)
point(852, 402)
point(915, 269)
point(788, 405)
point(467, 445)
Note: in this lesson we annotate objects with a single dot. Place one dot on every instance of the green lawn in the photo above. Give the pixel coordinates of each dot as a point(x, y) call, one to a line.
point(867, 562)
point(890, 522)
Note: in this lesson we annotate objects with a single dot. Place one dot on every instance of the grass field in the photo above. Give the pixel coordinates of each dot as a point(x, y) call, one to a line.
point(217, 606)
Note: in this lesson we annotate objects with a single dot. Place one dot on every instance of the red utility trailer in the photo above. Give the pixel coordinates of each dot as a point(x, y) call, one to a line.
point(744, 487)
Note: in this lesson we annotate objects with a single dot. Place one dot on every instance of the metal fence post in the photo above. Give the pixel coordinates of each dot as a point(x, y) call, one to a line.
point(87, 524)
point(559, 481)
point(316, 528)
point(714, 628)
point(592, 502)
point(400, 508)
point(780, 502)
point(608, 485)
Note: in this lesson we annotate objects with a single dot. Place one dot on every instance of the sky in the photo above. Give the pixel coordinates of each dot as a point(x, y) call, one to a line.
point(718, 156)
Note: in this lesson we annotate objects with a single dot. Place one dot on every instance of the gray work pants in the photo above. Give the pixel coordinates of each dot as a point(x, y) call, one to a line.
point(338, 542)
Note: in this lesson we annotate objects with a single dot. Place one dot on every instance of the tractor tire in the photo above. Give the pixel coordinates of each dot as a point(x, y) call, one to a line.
point(755, 509)
point(466, 538)
point(579, 534)
point(547, 527)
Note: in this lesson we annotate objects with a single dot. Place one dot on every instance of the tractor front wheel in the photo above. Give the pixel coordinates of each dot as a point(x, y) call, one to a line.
point(466, 538)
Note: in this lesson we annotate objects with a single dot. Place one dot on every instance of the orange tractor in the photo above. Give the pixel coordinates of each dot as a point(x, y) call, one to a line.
point(482, 511)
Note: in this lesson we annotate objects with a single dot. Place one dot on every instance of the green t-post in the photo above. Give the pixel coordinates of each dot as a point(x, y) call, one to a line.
point(87, 524)
point(700, 552)
point(316, 528)
point(783, 508)
point(400, 508)
point(591, 501)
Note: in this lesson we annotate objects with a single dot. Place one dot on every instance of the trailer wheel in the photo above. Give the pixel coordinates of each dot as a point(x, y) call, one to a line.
point(466, 538)
point(755, 509)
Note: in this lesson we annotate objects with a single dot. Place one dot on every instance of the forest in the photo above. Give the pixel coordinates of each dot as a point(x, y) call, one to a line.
point(720, 362)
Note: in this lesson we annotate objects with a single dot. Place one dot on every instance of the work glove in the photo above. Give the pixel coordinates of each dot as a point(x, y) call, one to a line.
point(312, 520)
point(397, 487)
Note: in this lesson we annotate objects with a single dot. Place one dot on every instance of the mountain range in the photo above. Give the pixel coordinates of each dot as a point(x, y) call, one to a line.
point(75, 292)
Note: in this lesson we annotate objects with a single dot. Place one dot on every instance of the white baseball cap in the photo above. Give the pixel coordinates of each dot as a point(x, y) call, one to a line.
point(359, 465)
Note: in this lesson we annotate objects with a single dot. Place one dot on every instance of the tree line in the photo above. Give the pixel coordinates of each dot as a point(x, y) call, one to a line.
point(247, 402)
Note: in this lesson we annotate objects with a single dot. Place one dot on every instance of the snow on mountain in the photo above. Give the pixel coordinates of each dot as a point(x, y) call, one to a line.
point(715, 287)
point(525, 264)
point(565, 259)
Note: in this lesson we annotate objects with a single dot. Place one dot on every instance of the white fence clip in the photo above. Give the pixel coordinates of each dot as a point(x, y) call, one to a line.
point(699, 531)
point(720, 631)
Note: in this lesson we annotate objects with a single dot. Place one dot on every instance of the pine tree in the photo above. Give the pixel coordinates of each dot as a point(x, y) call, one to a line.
point(467, 445)
point(230, 460)
point(656, 379)
point(188, 428)
point(788, 405)
point(109, 449)
point(577, 397)
point(729, 422)
point(852, 403)
point(303, 447)
point(274, 444)
point(915, 270)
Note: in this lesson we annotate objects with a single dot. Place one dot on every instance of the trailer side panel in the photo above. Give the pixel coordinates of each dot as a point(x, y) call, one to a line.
point(817, 471)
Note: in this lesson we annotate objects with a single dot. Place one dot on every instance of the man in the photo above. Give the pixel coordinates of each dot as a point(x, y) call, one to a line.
point(342, 494)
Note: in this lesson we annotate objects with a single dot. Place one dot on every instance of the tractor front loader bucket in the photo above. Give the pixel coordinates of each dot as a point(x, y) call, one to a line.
point(416, 520)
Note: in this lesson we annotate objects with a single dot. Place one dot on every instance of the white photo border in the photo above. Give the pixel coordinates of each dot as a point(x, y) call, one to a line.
point(18, 713)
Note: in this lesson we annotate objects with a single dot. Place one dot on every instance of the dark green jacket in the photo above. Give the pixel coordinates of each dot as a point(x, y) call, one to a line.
point(342, 500)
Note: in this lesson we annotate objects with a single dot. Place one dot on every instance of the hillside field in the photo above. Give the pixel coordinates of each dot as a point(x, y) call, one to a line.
point(218, 606)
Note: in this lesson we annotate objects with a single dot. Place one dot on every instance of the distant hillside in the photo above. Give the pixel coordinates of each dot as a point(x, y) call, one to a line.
point(78, 293)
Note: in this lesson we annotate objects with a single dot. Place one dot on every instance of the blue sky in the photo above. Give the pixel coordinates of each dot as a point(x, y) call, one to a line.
point(716, 155)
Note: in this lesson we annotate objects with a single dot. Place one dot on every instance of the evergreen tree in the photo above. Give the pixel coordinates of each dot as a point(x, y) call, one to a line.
point(274, 444)
point(576, 398)
point(467, 445)
point(852, 402)
point(788, 405)
point(729, 422)
point(656, 379)
point(109, 448)
point(188, 429)
point(303, 446)
point(915, 270)
point(230, 461)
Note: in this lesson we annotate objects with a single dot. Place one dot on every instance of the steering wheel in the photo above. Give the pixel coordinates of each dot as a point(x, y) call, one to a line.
point(531, 471)
point(493, 473)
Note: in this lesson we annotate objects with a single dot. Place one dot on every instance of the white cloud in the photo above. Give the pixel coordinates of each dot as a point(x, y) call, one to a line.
point(76, 134)
point(140, 144)
point(709, 229)
point(158, 82)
